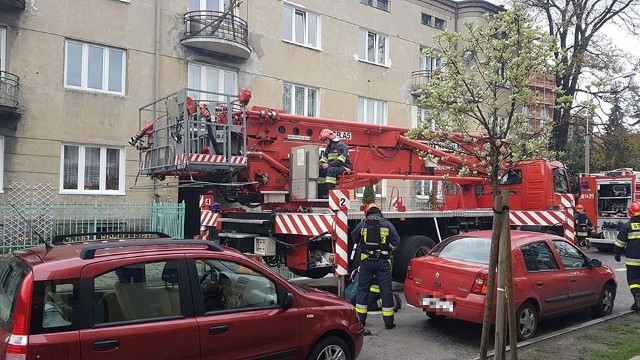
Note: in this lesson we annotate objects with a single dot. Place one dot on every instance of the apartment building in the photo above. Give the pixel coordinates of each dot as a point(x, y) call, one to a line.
point(75, 73)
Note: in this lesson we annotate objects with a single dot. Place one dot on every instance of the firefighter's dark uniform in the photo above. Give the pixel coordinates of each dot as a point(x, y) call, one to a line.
point(628, 243)
point(376, 237)
point(582, 225)
point(336, 155)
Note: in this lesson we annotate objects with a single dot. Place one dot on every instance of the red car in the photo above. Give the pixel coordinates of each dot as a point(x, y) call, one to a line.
point(551, 277)
point(159, 298)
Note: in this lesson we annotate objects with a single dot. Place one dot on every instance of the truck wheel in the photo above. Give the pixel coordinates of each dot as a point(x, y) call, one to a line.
point(412, 246)
point(316, 273)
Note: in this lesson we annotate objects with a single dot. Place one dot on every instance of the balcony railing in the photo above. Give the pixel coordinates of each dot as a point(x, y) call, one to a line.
point(12, 4)
point(9, 90)
point(217, 31)
point(420, 78)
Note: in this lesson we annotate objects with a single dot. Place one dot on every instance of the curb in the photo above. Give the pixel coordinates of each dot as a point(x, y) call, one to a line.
point(565, 331)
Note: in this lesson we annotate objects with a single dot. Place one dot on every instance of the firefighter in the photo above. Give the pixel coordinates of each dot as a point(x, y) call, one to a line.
point(628, 242)
point(334, 162)
point(583, 226)
point(376, 238)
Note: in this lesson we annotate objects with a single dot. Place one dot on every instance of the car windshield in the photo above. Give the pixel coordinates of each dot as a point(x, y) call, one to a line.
point(470, 249)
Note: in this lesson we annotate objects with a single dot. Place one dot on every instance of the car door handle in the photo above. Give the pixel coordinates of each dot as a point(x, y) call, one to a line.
point(539, 283)
point(573, 280)
point(220, 329)
point(106, 345)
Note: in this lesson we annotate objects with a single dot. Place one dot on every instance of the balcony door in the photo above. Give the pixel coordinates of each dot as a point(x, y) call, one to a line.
point(209, 5)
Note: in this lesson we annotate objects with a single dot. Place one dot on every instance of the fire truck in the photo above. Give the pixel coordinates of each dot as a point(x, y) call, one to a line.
point(255, 170)
point(606, 197)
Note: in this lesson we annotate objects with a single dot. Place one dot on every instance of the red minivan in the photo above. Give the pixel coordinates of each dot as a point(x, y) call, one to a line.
point(160, 298)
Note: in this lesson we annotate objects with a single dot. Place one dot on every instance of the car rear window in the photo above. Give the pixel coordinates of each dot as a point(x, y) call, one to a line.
point(12, 273)
point(471, 249)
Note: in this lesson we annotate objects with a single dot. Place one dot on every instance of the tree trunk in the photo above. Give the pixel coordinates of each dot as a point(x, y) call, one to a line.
point(493, 260)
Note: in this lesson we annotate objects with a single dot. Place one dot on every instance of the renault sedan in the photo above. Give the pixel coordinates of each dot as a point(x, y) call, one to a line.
point(551, 277)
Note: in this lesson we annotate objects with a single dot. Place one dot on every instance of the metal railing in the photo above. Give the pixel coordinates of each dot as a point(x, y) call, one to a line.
point(218, 24)
point(9, 89)
point(420, 78)
point(24, 223)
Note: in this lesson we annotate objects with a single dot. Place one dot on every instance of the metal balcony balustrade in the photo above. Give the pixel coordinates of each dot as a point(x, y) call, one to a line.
point(9, 90)
point(217, 31)
point(420, 78)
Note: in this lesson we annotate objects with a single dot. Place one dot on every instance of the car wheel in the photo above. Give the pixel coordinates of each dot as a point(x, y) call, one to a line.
point(527, 318)
point(605, 303)
point(412, 246)
point(331, 348)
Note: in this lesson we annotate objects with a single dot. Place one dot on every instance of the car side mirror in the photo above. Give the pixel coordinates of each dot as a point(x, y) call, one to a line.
point(596, 263)
point(288, 301)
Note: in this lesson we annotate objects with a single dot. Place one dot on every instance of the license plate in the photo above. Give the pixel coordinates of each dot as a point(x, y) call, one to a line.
point(436, 303)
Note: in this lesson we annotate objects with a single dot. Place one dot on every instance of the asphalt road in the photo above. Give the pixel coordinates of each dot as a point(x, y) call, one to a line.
point(417, 337)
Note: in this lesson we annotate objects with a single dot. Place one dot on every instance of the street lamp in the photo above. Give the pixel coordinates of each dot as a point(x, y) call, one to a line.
point(626, 75)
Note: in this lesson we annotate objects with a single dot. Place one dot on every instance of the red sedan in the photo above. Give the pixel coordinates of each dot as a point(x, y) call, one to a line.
point(551, 277)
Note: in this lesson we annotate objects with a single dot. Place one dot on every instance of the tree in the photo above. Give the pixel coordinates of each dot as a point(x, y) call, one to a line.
point(585, 51)
point(478, 98)
point(368, 195)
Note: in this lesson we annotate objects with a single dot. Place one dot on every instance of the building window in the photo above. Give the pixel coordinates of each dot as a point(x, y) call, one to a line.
point(94, 68)
point(92, 169)
point(426, 19)
point(432, 21)
point(209, 5)
point(300, 100)
point(429, 63)
point(379, 4)
point(3, 41)
point(373, 47)
point(371, 111)
point(212, 81)
point(301, 27)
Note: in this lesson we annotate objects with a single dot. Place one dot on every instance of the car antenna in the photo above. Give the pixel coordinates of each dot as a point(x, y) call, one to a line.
point(45, 242)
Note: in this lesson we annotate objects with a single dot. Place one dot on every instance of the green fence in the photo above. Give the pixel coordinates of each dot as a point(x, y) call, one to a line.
point(23, 224)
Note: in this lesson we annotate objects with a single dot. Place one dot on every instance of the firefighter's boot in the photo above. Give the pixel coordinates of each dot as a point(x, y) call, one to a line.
point(636, 302)
point(362, 318)
point(389, 322)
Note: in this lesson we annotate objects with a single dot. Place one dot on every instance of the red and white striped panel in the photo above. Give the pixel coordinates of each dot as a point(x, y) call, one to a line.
point(341, 238)
point(548, 217)
point(208, 218)
point(303, 224)
point(207, 158)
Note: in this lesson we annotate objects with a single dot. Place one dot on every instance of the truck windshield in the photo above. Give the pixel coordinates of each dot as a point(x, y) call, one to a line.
point(560, 182)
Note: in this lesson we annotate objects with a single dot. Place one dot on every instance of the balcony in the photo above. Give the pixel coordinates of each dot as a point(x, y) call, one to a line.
point(9, 92)
point(421, 78)
point(12, 4)
point(218, 32)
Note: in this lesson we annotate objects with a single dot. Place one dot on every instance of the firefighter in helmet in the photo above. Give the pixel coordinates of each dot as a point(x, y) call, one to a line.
point(376, 238)
point(628, 243)
point(334, 162)
point(583, 226)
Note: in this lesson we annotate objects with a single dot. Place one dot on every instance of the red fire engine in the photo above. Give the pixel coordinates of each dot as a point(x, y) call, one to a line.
point(606, 197)
point(256, 170)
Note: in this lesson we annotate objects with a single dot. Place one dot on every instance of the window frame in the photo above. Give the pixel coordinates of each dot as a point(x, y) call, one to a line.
point(362, 118)
point(3, 48)
point(102, 171)
point(377, 4)
point(220, 86)
point(363, 53)
point(307, 25)
point(307, 91)
point(551, 252)
point(84, 68)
